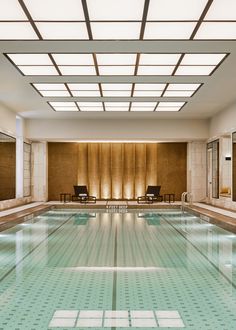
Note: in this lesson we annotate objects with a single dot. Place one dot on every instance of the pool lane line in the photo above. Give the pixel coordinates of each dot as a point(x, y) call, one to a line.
point(18, 263)
point(114, 277)
point(202, 254)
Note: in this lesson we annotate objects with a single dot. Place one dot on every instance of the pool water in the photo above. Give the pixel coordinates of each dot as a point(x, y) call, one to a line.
point(71, 269)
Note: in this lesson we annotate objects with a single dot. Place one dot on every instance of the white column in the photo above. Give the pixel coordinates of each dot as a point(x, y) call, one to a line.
point(196, 170)
point(39, 171)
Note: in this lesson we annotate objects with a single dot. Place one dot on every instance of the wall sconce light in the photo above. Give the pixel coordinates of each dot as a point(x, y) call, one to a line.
point(227, 157)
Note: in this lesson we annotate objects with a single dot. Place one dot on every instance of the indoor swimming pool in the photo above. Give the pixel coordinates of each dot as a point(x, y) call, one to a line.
point(77, 269)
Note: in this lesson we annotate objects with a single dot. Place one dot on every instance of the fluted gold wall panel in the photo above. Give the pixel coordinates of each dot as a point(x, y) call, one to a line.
point(105, 170)
point(116, 170)
point(140, 169)
point(128, 170)
point(82, 167)
point(93, 169)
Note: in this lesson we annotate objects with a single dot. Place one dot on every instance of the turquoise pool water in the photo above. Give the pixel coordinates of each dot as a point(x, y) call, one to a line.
point(70, 269)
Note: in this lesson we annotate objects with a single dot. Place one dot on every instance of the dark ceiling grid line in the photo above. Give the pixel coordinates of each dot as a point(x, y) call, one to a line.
point(205, 10)
point(90, 34)
point(55, 64)
point(142, 29)
point(178, 64)
point(27, 13)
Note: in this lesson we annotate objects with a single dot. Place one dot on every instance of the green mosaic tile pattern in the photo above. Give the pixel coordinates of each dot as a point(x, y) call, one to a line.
point(67, 259)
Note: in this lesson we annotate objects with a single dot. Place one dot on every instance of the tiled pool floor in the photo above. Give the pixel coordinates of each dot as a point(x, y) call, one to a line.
point(147, 265)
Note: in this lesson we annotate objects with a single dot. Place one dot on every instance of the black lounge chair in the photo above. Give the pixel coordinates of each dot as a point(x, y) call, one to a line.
point(81, 195)
point(152, 195)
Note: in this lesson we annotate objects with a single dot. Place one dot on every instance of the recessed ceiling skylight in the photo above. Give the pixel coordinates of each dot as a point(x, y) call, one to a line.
point(115, 31)
point(202, 59)
point(31, 70)
point(167, 109)
point(196, 70)
point(86, 93)
point(178, 10)
point(216, 30)
point(73, 59)
point(155, 70)
point(77, 70)
point(113, 10)
point(159, 59)
point(178, 93)
point(50, 87)
point(113, 87)
point(63, 31)
point(221, 10)
point(147, 93)
point(55, 93)
point(143, 106)
point(117, 106)
point(169, 30)
point(30, 59)
point(182, 87)
point(154, 87)
point(11, 10)
point(116, 70)
point(171, 104)
point(116, 59)
point(17, 31)
point(117, 93)
point(54, 10)
point(85, 87)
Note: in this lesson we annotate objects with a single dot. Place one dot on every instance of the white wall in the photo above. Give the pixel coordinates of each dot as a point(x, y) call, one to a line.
point(223, 122)
point(168, 130)
point(7, 121)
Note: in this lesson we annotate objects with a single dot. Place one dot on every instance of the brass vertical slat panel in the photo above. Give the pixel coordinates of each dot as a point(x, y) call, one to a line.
point(105, 170)
point(82, 169)
point(129, 171)
point(140, 169)
point(93, 170)
point(117, 170)
point(151, 161)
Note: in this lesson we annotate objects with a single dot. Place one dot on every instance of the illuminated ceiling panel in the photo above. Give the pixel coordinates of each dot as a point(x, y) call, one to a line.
point(169, 30)
point(17, 31)
point(62, 31)
point(54, 10)
point(113, 10)
point(11, 10)
point(222, 10)
point(177, 10)
point(115, 31)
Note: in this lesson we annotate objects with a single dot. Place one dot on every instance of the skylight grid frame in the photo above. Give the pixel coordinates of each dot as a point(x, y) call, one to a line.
point(27, 18)
point(57, 67)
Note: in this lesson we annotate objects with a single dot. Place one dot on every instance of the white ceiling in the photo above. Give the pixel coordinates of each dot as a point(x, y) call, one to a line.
point(216, 93)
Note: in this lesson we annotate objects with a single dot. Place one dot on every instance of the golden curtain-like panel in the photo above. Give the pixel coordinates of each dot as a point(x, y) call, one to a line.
point(117, 170)
point(93, 169)
point(105, 170)
point(140, 169)
point(82, 167)
point(129, 170)
point(151, 164)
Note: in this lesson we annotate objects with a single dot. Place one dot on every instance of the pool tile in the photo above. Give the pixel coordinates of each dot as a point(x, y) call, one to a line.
point(116, 314)
point(65, 314)
point(168, 314)
point(141, 314)
point(120, 323)
point(89, 323)
point(143, 323)
point(61, 323)
point(171, 323)
point(91, 314)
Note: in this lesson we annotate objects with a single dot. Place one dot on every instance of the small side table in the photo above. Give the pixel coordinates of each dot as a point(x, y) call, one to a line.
point(169, 198)
point(65, 197)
